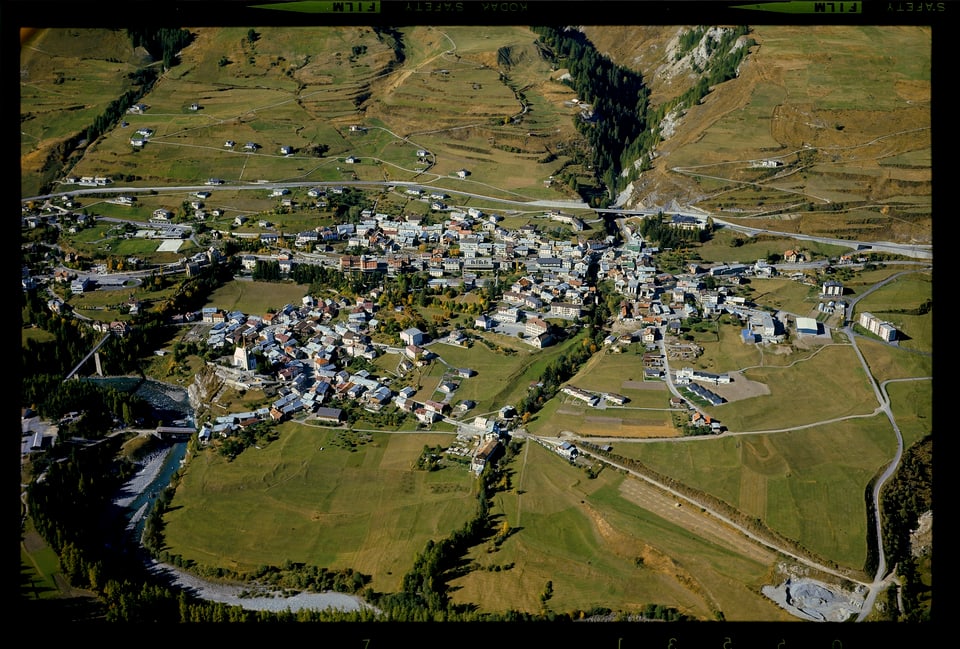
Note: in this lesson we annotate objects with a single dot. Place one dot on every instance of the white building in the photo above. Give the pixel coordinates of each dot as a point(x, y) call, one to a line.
point(885, 330)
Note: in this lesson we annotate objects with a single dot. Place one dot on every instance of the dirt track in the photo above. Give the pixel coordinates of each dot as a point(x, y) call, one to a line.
point(739, 388)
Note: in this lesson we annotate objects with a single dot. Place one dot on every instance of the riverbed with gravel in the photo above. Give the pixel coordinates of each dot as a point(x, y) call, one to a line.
point(231, 594)
point(150, 468)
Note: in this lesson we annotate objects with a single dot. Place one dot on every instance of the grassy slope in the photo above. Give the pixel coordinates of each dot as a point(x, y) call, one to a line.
point(363, 508)
point(598, 549)
point(836, 88)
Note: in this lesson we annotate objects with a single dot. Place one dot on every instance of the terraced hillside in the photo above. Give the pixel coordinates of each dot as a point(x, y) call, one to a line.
point(843, 111)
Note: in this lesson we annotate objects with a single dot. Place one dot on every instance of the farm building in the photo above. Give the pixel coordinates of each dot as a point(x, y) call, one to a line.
point(488, 452)
point(332, 415)
point(568, 450)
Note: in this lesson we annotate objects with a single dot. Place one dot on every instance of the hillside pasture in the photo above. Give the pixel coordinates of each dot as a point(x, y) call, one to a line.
point(493, 371)
point(359, 507)
point(823, 384)
point(894, 301)
point(784, 294)
point(507, 374)
point(727, 352)
point(68, 77)
point(721, 248)
point(304, 88)
point(645, 414)
point(618, 373)
point(817, 104)
point(813, 479)
point(912, 404)
point(888, 363)
point(635, 556)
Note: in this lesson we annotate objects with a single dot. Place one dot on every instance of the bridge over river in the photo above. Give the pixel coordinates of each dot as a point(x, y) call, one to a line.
point(95, 353)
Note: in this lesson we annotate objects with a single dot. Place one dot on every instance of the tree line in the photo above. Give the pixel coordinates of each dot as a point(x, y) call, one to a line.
point(667, 235)
point(618, 96)
point(163, 43)
point(908, 495)
point(43, 386)
point(625, 127)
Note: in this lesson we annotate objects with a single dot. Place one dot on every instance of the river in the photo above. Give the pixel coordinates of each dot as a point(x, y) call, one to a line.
point(138, 495)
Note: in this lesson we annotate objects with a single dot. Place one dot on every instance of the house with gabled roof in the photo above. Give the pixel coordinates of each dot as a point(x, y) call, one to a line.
point(489, 451)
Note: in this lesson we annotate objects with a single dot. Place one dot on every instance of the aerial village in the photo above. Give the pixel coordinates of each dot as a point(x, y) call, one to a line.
point(309, 347)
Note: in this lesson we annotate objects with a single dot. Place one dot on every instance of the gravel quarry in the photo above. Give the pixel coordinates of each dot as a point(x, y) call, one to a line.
point(813, 600)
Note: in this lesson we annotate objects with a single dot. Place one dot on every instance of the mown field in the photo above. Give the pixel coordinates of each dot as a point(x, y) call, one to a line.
point(256, 298)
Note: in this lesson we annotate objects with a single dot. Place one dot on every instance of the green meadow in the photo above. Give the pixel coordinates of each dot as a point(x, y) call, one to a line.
point(890, 363)
point(807, 484)
point(786, 294)
point(503, 378)
point(894, 303)
point(724, 351)
point(824, 384)
point(40, 567)
point(599, 549)
point(646, 412)
point(256, 298)
point(912, 405)
point(361, 506)
point(721, 248)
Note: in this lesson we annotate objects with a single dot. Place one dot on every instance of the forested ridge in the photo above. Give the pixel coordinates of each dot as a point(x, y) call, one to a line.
point(908, 495)
point(625, 129)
